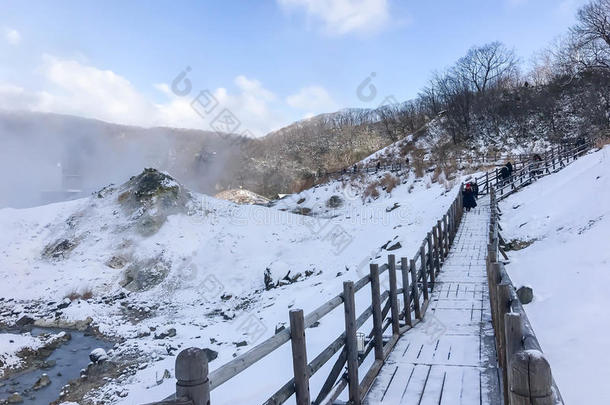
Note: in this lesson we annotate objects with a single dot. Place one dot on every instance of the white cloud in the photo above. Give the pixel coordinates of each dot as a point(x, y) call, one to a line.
point(72, 87)
point(344, 16)
point(12, 36)
point(312, 99)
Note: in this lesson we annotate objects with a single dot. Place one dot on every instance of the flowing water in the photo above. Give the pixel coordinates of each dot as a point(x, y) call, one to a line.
point(69, 358)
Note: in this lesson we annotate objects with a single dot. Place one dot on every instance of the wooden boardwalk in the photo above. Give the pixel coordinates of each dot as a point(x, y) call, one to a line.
point(450, 357)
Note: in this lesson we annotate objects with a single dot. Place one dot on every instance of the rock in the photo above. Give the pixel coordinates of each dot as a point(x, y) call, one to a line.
point(42, 382)
point(334, 202)
point(280, 327)
point(212, 354)
point(64, 304)
point(24, 320)
point(60, 249)
point(525, 294)
point(166, 374)
point(241, 344)
point(395, 246)
point(116, 262)
point(268, 279)
point(171, 332)
point(14, 398)
point(98, 355)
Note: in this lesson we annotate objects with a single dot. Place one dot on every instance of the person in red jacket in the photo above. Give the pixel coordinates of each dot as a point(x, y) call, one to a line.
point(468, 197)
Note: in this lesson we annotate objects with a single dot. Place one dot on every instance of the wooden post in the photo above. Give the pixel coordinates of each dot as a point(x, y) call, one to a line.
point(414, 292)
point(441, 247)
point(424, 274)
point(487, 181)
point(530, 379)
point(437, 258)
point(299, 356)
point(445, 237)
point(393, 295)
point(503, 297)
point(513, 335)
point(376, 305)
point(430, 259)
point(192, 376)
point(406, 292)
point(351, 345)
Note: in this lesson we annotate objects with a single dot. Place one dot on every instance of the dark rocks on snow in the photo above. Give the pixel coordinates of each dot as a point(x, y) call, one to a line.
point(171, 332)
point(24, 320)
point(241, 344)
point(392, 208)
point(152, 196)
point(525, 294)
point(98, 355)
point(145, 274)
point(211, 354)
point(334, 202)
point(60, 249)
point(42, 382)
point(116, 262)
point(395, 246)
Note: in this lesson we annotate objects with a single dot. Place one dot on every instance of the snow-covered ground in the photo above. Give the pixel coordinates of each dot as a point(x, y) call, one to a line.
point(13, 343)
point(568, 266)
point(199, 278)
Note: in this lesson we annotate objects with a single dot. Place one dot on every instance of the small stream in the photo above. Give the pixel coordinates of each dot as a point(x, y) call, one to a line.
point(69, 358)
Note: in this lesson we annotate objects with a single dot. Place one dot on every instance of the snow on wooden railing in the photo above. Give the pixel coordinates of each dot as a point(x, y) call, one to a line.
point(525, 172)
point(526, 373)
point(417, 277)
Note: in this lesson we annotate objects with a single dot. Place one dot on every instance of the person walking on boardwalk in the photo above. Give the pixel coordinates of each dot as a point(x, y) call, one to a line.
point(468, 197)
point(475, 189)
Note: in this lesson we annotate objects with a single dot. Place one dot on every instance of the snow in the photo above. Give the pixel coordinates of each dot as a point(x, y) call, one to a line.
point(568, 216)
point(211, 263)
point(11, 344)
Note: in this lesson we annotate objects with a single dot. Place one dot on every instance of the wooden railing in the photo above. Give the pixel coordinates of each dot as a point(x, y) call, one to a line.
point(417, 278)
point(526, 373)
point(527, 171)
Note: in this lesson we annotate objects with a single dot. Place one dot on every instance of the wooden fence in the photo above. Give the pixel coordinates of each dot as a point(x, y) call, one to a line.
point(527, 171)
point(410, 280)
point(526, 373)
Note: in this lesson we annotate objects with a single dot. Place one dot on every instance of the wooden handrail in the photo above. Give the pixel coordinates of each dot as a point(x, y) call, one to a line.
point(526, 373)
point(418, 277)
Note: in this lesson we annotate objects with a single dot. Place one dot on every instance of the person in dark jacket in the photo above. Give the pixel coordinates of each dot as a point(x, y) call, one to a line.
point(509, 166)
point(468, 197)
point(475, 189)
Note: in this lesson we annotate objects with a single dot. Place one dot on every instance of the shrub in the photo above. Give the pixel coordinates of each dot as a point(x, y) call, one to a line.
point(83, 295)
point(389, 182)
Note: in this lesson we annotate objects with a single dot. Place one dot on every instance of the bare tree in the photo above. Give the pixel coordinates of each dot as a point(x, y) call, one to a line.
point(594, 22)
point(588, 45)
point(487, 65)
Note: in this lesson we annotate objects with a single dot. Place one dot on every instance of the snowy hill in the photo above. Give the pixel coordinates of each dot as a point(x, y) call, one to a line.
point(158, 268)
point(566, 218)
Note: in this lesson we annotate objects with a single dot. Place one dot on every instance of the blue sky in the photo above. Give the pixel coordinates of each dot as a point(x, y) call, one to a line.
point(270, 61)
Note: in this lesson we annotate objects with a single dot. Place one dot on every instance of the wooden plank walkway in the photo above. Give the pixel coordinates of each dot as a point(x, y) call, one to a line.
point(449, 358)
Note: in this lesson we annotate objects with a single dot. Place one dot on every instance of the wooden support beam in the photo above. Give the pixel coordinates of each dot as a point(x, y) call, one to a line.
point(351, 344)
point(430, 259)
point(414, 292)
point(299, 356)
point(393, 295)
point(406, 291)
point(377, 318)
point(423, 272)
